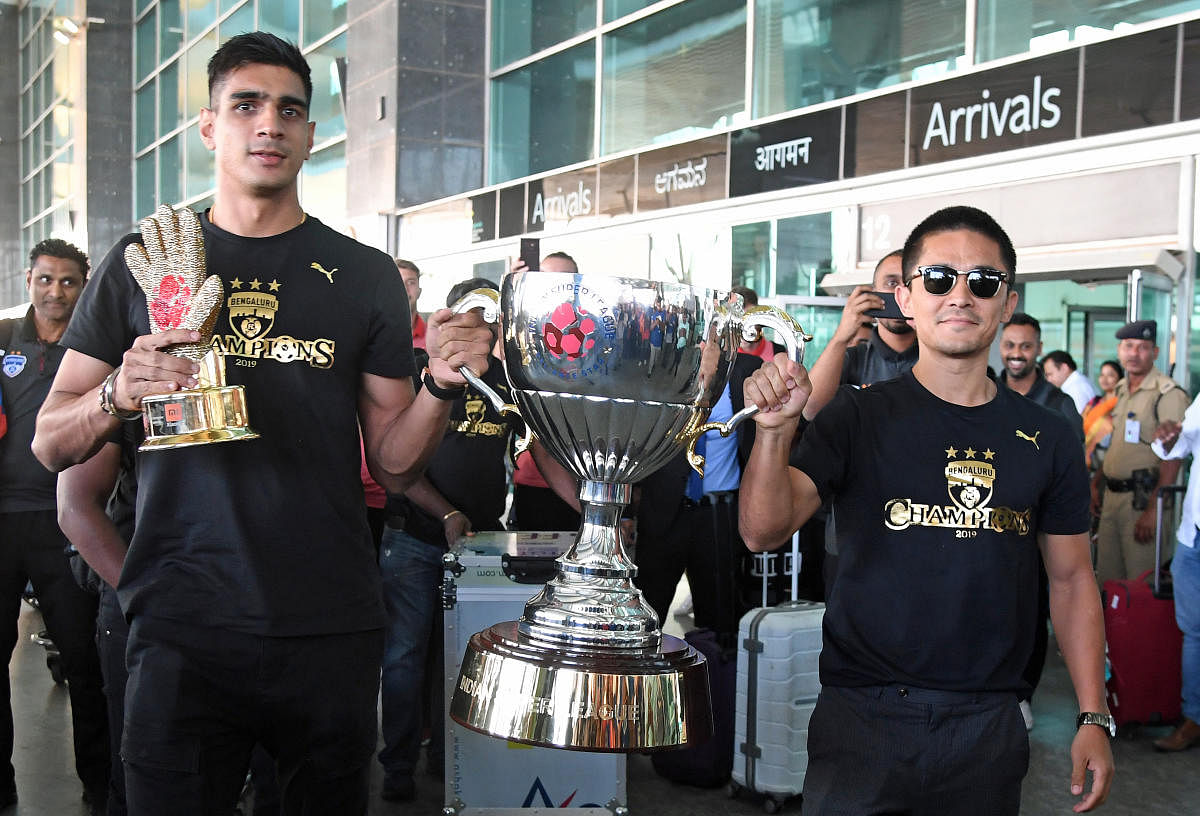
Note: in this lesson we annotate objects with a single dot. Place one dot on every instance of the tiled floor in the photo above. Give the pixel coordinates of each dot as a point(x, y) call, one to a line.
point(1146, 783)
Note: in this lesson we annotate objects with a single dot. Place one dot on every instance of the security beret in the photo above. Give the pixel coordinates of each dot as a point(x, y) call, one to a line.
point(1139, 330)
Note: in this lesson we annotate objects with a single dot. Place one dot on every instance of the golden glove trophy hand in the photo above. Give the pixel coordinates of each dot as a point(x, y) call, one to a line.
point(169, 266)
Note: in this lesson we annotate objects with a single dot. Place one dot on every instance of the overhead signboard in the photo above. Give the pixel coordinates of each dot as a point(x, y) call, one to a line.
point(483, 217)
point(1019, 105)
point(789, 153)
point(689, 173)
point(618, 187)
point(875, 135)
point(1129, 82)
point(512, 211)
point(556, 201)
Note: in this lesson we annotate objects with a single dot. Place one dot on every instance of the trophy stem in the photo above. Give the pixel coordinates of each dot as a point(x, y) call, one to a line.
point(592, 601)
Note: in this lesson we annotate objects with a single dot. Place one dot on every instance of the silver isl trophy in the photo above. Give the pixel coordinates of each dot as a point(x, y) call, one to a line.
point(587, 667)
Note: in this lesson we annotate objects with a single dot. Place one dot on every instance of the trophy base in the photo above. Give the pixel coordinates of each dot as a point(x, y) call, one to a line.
point(595, 700)
point(201, 416)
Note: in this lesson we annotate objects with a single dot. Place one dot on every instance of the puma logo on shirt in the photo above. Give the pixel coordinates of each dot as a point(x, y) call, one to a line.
point(1028, 438)
point(326, 272)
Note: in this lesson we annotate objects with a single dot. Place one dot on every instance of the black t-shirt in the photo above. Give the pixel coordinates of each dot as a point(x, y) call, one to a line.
point(27, 370)
point(468, 466)
point(1048, 395)
point(874, 361)
point(267, 536)
point(938, 509)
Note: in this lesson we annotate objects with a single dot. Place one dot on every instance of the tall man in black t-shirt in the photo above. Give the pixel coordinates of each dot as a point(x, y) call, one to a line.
point(250, 583)
point(950, 484)
point(32, 548)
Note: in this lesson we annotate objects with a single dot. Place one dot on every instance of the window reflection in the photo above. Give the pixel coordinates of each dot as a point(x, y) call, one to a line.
point(327, 109)
point(676, 74)
point(812, 51)
point(542, 114)
point(1007, 27)
point(524, 27)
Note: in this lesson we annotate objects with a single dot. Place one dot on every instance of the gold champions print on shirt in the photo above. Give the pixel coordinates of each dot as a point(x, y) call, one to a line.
point(252, 307)
point(969, 482)
point(475, 424)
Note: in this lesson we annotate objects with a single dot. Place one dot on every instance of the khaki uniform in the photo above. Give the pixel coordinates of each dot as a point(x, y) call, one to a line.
point(1118, 554)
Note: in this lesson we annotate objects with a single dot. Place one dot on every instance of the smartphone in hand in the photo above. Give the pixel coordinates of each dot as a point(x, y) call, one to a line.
point(890, 308)
point(531, 252)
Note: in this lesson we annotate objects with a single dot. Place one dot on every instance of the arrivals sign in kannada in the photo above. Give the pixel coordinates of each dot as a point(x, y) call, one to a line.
point(684, 174)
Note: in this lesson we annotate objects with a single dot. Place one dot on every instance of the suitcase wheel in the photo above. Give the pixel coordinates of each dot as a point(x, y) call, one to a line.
point(734, 790)
point(772, 805)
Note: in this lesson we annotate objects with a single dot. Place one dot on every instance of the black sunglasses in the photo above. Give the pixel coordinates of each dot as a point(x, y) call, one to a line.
point(983, 281)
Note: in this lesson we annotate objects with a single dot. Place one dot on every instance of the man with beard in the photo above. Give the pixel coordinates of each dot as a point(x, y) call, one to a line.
point(34, 548)
point(890, 351)
point(1020, 345)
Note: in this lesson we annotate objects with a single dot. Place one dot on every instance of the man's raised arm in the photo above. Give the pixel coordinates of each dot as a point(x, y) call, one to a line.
point(401, 431)
point(774, 499)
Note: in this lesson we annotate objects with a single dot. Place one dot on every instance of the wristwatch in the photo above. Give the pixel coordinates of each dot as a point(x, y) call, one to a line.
point(1105, 721)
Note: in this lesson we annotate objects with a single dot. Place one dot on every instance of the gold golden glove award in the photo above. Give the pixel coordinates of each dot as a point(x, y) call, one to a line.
point(169, 266)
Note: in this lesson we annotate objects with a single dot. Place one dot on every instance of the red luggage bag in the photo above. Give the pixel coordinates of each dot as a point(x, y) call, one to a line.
point(1145, 647)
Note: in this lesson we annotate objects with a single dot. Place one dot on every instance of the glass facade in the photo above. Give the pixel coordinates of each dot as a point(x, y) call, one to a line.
point(1005, 28)
point(812, 51)
point(51, 82)
point(173, 40)
point(542, 114)
point(673, 75)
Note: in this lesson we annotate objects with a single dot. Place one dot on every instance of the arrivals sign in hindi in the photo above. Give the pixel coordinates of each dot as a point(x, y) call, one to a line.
point(786, 154)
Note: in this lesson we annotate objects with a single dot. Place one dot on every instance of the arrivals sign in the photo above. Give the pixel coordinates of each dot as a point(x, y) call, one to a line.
point(789, 153)
point(689, 173)
point(556, 201)
point(1020, 105)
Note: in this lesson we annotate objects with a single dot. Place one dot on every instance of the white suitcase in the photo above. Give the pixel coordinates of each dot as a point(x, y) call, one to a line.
point(489, 577)
point(777, 686)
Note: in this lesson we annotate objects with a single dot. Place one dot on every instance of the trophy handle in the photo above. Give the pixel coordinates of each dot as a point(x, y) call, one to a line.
point(794, 337)
point(489, 301)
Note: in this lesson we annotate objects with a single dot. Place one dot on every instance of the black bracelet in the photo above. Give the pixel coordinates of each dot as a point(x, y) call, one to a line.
point(441, 393)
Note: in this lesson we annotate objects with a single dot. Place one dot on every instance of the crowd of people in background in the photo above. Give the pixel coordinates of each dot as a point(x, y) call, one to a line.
point(255, 599)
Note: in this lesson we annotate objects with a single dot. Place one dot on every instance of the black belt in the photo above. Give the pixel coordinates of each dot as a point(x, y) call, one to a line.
point(1119, 485)
point(710, 499)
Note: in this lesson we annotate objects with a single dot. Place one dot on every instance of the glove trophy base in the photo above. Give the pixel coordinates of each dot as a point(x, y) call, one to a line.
point(214, 412)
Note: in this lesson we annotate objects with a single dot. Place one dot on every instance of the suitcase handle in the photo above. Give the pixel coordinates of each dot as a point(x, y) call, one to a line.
point(528, 569)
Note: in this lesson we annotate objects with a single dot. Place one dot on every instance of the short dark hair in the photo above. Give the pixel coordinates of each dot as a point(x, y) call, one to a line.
point(564, 256)
point(460, 289)
point(1061, 358)
point(1022, 319)
point(257, 48)
point(403, 264)
point(958, 218)
point(58, 248)
point(1116, 365)
point(749, 296)
point(895, 253)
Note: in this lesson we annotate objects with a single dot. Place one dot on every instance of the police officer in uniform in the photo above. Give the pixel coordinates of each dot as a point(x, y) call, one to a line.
point(1124, 491)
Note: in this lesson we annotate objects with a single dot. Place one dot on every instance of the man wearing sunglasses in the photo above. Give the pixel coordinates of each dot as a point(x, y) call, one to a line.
point(946, 486)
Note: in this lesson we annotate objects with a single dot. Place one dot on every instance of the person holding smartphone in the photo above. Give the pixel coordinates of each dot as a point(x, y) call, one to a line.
point(890, 351)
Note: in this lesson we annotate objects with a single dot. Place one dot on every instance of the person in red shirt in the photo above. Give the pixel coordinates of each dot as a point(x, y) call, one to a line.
point(412, 285)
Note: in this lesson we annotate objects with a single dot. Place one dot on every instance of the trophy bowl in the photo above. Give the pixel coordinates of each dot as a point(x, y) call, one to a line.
point(587, 667)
